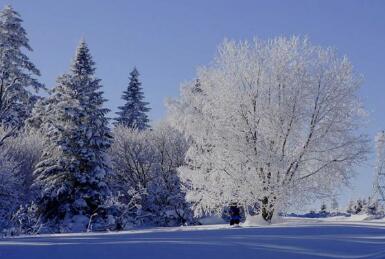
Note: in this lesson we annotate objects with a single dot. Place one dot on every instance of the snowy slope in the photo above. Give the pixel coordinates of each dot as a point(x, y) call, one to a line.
point(292, 239)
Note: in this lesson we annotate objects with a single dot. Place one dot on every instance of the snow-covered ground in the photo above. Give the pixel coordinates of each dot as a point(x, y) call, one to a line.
point(294, 238)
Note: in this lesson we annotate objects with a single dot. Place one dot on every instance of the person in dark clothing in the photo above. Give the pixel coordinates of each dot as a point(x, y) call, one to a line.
point(235, 214)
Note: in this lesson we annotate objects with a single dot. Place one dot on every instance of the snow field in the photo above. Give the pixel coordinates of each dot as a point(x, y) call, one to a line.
point(293, 238)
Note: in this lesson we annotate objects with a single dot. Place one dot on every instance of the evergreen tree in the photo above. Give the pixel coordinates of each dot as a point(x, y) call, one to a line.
point(133, 113)
point(74, 165)
point(16, 71)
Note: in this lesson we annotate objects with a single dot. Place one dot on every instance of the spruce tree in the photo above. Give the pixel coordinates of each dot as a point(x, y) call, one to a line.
point(17, 72)
point(133, 114)
point(71, 174)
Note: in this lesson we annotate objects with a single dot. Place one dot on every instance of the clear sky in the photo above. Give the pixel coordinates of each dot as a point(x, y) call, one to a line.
point(167, 40)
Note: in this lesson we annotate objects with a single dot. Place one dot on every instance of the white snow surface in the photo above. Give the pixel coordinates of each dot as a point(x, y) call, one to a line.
point(338, 237)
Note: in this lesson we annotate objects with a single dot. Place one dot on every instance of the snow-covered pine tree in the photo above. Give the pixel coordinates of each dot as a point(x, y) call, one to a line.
point(17, 72)
point(74, 165)
point(133, 113)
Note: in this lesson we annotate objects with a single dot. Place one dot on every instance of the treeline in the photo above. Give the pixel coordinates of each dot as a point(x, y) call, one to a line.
point(268, 126)
point(62, 167)
point(369, 208)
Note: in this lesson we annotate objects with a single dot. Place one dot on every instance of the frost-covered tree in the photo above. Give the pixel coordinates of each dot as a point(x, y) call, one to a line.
point(133, 113)
point(133, 158)
point(144, 163)
point(358, 206)
point(71, 174)
point(25, 150)
point(166, 193)
point(275, 122)
point(372, 207)
point(17, 72)
point(9, 187)
point(18, 156)
point(379, 173)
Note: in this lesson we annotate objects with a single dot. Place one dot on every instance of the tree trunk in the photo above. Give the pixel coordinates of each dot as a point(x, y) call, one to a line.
point(267, 209)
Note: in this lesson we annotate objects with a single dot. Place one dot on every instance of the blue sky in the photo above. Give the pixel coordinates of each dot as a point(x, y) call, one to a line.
point(167, 40)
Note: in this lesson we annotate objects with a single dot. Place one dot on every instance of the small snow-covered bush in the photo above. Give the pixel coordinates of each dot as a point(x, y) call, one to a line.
point(25, 220)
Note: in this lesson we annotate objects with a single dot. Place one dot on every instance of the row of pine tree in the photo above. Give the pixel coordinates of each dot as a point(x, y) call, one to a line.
point(76, 182)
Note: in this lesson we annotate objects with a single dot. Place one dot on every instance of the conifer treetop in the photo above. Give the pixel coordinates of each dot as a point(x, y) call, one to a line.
point(133, 114)
point(83, 63)
point(17, 72)
point(11, 20)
